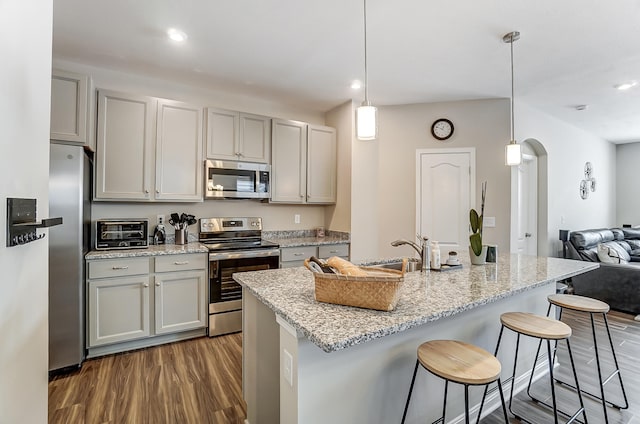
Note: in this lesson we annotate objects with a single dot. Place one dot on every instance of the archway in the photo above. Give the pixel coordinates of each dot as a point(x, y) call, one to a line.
point(532, 149)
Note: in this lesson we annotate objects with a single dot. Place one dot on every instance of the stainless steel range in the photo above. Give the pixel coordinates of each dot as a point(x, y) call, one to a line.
point(235, 245)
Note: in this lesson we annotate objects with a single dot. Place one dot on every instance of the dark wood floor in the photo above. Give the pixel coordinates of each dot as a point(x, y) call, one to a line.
point(196, 381)
point(199, 381)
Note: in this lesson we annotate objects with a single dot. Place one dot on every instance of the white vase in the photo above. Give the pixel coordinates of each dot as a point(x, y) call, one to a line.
point(478, 259)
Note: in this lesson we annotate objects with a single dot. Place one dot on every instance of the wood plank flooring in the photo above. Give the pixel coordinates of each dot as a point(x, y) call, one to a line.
point(196, 381)
point(199, 381)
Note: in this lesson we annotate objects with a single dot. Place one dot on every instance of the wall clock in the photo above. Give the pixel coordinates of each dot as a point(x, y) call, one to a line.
point(442, 129)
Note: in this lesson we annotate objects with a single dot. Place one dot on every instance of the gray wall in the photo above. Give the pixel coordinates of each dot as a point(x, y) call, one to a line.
point(627, 187)
point(25, 47)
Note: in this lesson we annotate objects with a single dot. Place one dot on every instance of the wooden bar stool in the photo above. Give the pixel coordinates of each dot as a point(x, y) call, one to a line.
point(460, 363)
point(543, 328)
point(592, 307)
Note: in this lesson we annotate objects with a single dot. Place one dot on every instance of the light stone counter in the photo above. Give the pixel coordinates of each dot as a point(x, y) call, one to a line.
point(152, 250)
point(305, 238)
point(424, 297)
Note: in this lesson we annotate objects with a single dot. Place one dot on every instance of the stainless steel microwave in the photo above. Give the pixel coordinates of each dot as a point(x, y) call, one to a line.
point(239, 180)
point(122, 234)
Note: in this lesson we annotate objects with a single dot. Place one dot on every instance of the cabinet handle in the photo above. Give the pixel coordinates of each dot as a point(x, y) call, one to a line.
point(181, 262)
point(146, 192)
point(298, 254)
point(333, 251)
point(145, 285)
point(120, 267)
point(157, 284)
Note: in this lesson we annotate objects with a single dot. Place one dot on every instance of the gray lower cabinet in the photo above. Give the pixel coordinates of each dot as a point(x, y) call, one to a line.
point(142, 301)
point(294, 256)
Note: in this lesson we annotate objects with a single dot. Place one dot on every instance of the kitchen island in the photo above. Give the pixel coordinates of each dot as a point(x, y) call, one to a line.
point(311, 362)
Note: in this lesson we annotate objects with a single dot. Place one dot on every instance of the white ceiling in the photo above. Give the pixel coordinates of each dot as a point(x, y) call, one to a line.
point(307, 52)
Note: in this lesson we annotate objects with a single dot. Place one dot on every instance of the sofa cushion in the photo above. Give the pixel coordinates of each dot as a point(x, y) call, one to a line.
point(618, 234)
point(590, 238)
point(635, 244)
point(612, 253)
point(631, 233)
point(624, 244)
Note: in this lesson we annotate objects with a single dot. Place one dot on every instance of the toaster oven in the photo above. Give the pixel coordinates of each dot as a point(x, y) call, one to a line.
point(122, 234)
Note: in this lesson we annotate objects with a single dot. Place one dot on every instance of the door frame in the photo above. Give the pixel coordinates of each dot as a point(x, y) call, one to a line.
point(472, 175)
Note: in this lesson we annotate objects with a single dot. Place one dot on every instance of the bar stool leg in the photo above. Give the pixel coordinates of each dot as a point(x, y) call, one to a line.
point(575, 377)
point(504, 407)
point(466, 404)
point(513, 377)
point(595, 348)
point(552, 382)
point(444, 407)
point(413, 380)
point(615, 361)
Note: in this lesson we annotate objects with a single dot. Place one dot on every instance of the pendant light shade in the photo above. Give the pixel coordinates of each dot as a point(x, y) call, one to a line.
point(513, 150)
point(367, 122)
point(366, 115)
point(513, 154)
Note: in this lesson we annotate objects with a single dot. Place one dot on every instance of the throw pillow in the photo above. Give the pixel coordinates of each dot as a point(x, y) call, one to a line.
point(608, 255)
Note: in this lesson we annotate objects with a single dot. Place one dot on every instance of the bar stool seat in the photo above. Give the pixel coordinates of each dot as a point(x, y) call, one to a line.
point(535, 325)
point(458, 362)
point(579, 303)
point(592, 306)
point(549, 330)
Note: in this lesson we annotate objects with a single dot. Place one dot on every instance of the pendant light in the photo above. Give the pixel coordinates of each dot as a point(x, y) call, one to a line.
point(366, 115)
point(513, 150)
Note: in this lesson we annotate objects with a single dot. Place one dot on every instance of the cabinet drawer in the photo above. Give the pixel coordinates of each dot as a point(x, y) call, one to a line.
point(181, 262)
point(329, 250)
point(297, 253)
point(118, 267)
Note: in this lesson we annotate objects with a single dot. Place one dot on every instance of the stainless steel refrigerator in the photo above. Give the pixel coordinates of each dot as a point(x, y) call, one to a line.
point(69, 197)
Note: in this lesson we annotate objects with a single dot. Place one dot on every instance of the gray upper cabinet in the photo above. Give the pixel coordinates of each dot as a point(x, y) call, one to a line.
point(321, 164)
point(288, 161)
point(124, 151)
point(238, 136)
point(148, 149)
point(178, 152)
point(69, 106)
point(303, 163)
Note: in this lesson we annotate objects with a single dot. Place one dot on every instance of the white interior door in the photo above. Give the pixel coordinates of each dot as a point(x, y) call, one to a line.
point(446, 178)
point(524, 233)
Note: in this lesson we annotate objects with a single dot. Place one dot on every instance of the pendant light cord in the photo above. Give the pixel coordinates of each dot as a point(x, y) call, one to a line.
point(512, 93)
point(366, 77)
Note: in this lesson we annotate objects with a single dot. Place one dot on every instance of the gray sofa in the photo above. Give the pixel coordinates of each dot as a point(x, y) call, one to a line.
point(618, 284)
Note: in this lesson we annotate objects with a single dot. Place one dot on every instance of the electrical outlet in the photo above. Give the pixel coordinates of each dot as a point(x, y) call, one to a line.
point(296, 218)
point(287, 367)
point(160, 219)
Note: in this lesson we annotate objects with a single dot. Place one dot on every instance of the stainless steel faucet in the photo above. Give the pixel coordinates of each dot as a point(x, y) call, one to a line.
point(423, 250)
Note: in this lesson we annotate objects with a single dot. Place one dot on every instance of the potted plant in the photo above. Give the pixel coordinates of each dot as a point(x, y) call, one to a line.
point(477, 251)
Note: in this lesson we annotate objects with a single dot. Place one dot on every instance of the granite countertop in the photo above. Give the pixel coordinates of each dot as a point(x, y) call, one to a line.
point(424, 297)
point(152, 250)
point(305, 238)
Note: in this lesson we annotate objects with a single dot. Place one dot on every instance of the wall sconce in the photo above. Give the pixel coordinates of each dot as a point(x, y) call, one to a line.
point(589, 182)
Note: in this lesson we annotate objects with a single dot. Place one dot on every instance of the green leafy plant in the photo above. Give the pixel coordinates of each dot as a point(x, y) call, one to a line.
point(476, 224)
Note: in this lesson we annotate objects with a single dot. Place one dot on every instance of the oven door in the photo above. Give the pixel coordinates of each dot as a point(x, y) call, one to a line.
point(225, 294)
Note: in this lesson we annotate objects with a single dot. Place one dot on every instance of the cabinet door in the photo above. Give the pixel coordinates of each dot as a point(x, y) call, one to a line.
point(288, 161)
point(255, 138)
point(69, 106)
point(118, 310)
point(321, 164)
point(124, 156)
point(223, 134)
point(179, 163)
point(180, 300)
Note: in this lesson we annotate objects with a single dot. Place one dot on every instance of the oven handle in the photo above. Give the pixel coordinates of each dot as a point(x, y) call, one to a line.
point(218, 256)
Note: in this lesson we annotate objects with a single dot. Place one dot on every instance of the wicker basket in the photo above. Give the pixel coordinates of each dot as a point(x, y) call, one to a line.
point(379, 290)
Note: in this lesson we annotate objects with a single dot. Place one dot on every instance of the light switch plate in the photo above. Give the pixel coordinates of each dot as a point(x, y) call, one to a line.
point(287, 367)
point(489, 221)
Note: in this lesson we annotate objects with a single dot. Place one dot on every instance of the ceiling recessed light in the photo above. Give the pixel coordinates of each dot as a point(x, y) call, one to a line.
point(626, 85)
point(176, 35)
point(356, 85)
